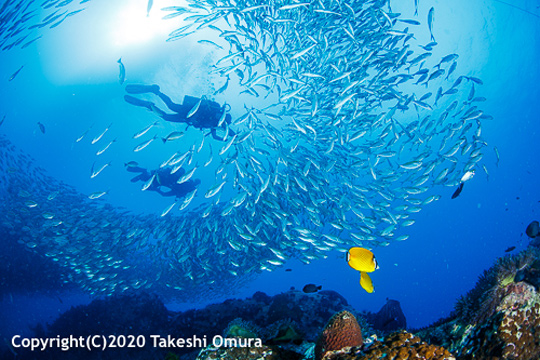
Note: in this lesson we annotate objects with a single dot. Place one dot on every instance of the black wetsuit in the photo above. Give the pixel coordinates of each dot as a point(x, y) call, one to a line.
point(207, 115)
point(165, 179)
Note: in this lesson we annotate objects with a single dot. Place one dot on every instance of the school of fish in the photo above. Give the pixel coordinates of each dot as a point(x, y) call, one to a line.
point(364, 128)
point(21, 20)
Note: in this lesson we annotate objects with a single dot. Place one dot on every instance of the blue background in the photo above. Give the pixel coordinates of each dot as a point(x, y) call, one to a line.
point(70, 82)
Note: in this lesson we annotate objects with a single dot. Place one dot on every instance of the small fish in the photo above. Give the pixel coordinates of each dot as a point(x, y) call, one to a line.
point(48, 215)
point(15, 73)
point(97, 195)
point(175, 135)
point(97, 172)
point(4, 118)
point(511, 248)
point(41, 127)
point(145, 130)
point(82, 135)
point(467, 176)
point(99, 152)
point(144, 144)
point(311, 288)
point(365, 282)
point(53, 195)
point(214, 190)
point(148, 183)
point(533, 229)
point(122, 74)
point(31, 203)
point(496, 156)
point(97, 138)
point(194, 109)
point(187, 200)
point(149, 7)
point(223, 88)
point(362, 259)
point(211, 43)
point(187, 176)
point(431, 17)
point(410, 21)
point(131, 164)
point(416, 7)
point(168, 209)
point(458, 191)
point(452, 69)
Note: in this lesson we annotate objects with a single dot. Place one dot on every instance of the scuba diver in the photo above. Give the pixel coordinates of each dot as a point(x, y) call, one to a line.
point(164, 179)
point(197, 112)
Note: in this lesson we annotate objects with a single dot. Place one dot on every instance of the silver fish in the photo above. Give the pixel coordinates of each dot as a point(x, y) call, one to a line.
point(431, 18)
point(122, 72)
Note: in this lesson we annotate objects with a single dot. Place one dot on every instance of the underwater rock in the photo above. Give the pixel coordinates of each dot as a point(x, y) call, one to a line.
point(341, 331)
point(511, 333)
point(500, 317)
point(248, 353)
point(389, 318)
point(285, 331)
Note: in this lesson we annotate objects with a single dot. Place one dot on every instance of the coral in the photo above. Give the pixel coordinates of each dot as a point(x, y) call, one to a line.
point(284, 331)
point(512, 333)
point(481, 302)
point(341, 331)
point(247, 353)
point(241, 328)
point(396, 346)
point(500, 317)
point(171, 356)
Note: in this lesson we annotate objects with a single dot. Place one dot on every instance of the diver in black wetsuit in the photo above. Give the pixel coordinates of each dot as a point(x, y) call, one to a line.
point(164, 179)
point(207, 116)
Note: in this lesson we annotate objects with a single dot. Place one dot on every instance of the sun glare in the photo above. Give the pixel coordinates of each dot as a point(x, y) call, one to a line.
point(134, 27)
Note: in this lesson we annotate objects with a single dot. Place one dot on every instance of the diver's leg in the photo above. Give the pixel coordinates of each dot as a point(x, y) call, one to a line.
point(136, 169)
point(170, 104)
point(165, 194)
point(142, 89)
point(173, 118)
point(215, 135)
point(138, 102)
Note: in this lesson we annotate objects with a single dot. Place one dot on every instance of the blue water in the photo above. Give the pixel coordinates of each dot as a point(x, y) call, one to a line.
point(69, 83)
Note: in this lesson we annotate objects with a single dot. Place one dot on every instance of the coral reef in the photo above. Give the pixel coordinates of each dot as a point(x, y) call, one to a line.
point(481, 302)
point(397, 346)
point(260, 353)
point(341, 331)
point(241, 328)
point(286, 319)
point(511, 333)
point(500, 317)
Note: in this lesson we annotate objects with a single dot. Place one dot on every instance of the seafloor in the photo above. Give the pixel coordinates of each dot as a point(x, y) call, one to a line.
point(498, 319)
